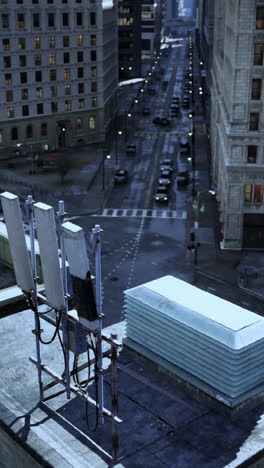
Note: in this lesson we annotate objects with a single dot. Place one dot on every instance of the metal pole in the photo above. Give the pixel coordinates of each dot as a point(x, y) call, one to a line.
point(114, 388)
point(65, 325)
point(196, 229)
point(29, 203)
point(98, 278)
point(103, 180)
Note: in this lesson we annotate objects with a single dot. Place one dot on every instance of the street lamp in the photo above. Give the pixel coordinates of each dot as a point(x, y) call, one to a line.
point(107, 156)
point(197, 208)
point(118, 133)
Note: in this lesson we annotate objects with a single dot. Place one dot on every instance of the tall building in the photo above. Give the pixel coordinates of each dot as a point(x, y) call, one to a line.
point(237, 139)
point(205, 25)
point(129, 38)
point(58, 71)
point(152, 27)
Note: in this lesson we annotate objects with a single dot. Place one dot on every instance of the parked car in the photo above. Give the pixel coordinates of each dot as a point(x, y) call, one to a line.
point(146, 111)
point(165, 84)
point(175, 100)
point(185, 103)
point(165, 177)
point(161, 121)
point(162, 193)
point(152, 91)
point(184, 143)
point(49, 161)
point(183, 178)
point(166, 164)
point(121, 176)
point(131, 149)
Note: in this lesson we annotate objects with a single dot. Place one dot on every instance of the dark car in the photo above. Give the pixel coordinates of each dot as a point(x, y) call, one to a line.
point(131, 149)
point(152, 91)
point(184, 143)
point(185, 103)
point(165, 177)
point(183, 178)
point(166, 164)
point(175, 100)
point(161, 121)
point(162, 194)
point(165, 84)
point(146, 111)
point(49, 161)
point(121, 176)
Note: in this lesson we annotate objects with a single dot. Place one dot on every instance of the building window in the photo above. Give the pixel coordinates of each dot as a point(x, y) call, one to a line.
point(94, 86)
point(260, 17)
point(5, 21)
point(65, 19)
point(20, 20)
point(38, 75)
point(80, 72)
point(67, 90)
point(10, 112)
point(1, 137)
point(67, 73)
point(53, 75)
point(256, 89)
point(66, 41)
point(52, 59)
point(92, 122)
point(14, 133)
point(43, 129)
point(252, 154)
point(36, 20)
point(93, 55)
point(54, 107)
point(53, 91)
point(66, 57)
point(36, 42)
point(6, 44)
point(79, 19)
point(79, 40)
point(22, 60)
point(78, 124)
point(21, 43)
point(8, 78)
point(51, 20)
point(25, 110)
point(9, 95)
point(94, 101)
point(29, 131)
point(248, 193)
point(92, 18)
point(80, 56)
point(254, 121)
point(258, 194)
point(40, 108)
point(93, 71)
point(92, 39)
point(37, 59)
point(68, 105)
point(81, 103)
point(24, 93)
point(7, 62)
point(52, 42)
point(39, 92)
point(258, 54)
point(80, 88)
point(23, 77)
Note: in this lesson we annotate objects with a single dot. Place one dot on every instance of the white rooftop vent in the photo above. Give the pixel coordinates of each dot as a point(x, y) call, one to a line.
point(212, 343)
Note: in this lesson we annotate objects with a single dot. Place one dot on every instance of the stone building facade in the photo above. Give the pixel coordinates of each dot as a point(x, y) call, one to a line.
point(58, 70)
point(237, 136)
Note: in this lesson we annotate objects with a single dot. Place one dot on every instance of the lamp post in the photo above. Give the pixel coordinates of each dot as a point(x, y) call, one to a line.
point(105, 156)
point(194, 234)
point(119, 132)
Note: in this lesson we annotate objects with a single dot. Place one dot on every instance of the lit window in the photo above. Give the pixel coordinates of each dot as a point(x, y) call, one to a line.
point(8, 78)
point(79, 123)
point(39, 92)
point(68, 105)
point(24, 93)
point(36, 42)
point(52, 59)
point(79, 40)
point(92, 39)
point(10, 112)
point(22, 43)
point(67, 73)
point(92, 122)
point(93, 71)
point(258, 193)
point(248, 193)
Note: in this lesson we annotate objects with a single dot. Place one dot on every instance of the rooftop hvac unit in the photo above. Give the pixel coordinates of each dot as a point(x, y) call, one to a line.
point(212, 343)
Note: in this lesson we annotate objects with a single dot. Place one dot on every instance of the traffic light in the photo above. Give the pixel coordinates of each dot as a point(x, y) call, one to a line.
point(192, 236)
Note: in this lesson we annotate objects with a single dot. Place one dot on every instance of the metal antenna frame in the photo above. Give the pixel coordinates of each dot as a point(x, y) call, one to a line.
point(112, 341)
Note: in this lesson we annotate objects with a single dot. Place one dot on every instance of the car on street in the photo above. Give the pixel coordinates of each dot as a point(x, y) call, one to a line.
point(165, 177)
point(49, 161)
point(161, 121)
point(183, 178)
point(146, 111)
point(185, 103)
point(121, 176)
point(162, 193)
point(184, 143)
point(131, 149)
point(166, 164)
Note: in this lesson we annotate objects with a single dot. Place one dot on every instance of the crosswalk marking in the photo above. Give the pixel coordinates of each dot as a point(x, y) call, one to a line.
point(142, 213)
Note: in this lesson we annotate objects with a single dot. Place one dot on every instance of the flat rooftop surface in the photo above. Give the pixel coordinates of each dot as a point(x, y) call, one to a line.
point(164, 425)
